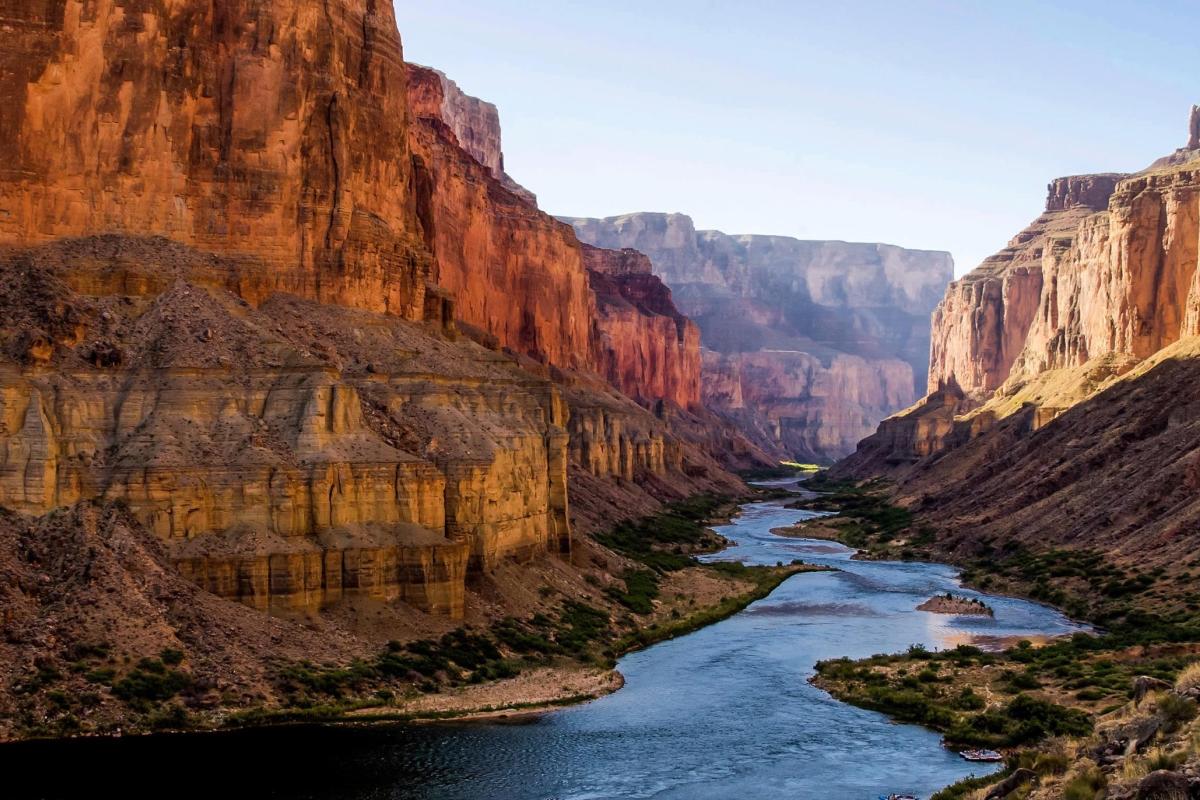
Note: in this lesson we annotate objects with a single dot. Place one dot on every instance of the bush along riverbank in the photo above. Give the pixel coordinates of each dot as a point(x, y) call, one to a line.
point(632, 586)
point(1107, 714)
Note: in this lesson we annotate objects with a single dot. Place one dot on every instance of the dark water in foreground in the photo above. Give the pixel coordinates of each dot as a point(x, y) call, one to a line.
point(726, 712)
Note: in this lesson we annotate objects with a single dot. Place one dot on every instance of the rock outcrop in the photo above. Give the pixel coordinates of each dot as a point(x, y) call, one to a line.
point(475, 123)
point(288, 454)
point(807, 344)
point(240, 243)
point(521, 276)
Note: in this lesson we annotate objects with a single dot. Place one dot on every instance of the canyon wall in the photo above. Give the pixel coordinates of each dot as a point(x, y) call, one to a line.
point(239, 244)
point(288, 455)
point(808, 344)
point(522, 276)
point(642, 344)
point(206, 123)
point(1045, 361)
point(475, 123)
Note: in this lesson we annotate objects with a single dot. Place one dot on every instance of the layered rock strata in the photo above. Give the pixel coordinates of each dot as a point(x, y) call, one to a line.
point(521, 276)
point(237, 265)
point(1065, 366)
point(642, 344)
point(475, 123)
point(287, 454)
point(808, 344)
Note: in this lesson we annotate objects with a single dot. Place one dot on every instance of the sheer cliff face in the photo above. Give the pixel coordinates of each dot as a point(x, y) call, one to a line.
point(474, 122)
point(1065, 367)
point(288, 456)
point(643, 345)
point(522, 276)
point(1109, 267)
point(809, 344)
point(231, 259)
point(206, 123)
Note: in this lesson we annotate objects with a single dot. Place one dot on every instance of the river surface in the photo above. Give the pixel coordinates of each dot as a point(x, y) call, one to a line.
point(725, 712)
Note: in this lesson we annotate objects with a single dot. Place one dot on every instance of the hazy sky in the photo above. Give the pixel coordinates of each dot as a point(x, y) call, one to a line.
point(925, 124)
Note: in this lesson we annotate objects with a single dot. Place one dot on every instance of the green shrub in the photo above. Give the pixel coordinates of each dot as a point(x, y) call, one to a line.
point(1176, 710)
point(641, 589)
point(1085, 786)
point(143, 685)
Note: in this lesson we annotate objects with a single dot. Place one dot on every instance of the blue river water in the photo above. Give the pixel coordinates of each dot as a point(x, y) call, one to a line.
point(725, 712)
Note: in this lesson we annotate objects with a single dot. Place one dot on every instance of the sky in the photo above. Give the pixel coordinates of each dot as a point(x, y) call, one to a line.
point(926, 123)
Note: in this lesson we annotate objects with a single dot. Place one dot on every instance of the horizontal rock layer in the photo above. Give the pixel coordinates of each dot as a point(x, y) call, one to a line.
point(1110, 267)
point(522, 276)
point(295, 450)
point(237, 263)
point(642, 344)
point(475, 123)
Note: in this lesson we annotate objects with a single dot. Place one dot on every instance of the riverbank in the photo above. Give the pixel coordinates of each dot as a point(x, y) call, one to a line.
point(627, 588)
point(1052, 705)
point(566, 681)
point(765, 730)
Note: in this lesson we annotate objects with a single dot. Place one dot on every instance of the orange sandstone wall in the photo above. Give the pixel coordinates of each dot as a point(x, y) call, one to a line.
point(207, 123)
point(522, 276)
point(1109, 268)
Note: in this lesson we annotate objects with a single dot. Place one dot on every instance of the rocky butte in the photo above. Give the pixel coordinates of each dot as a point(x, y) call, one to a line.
point(282, 336)
point(806, 344)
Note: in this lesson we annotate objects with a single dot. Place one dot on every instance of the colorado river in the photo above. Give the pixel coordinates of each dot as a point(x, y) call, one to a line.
point(726, 712)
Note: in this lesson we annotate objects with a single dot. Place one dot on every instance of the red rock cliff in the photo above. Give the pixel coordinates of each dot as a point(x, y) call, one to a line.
point(205, 122)
point(522, 276)
point(981, 325)
point(1106, 277)
point(474, 122)
point(643, 345)
point(1110, 267)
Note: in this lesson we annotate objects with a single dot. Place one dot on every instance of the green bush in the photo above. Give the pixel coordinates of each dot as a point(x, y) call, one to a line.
point(151, 685)
point(641, 589)
point(1176, 710)
point(1085, 786)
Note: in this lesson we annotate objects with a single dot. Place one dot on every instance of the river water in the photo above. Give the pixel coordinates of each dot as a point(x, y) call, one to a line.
point(725, 712)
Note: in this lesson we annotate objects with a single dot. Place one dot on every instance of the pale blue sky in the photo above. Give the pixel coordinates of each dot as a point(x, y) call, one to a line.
point(929, 124)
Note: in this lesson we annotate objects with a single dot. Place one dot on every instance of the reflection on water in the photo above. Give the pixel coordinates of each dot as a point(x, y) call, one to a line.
point(726, 712)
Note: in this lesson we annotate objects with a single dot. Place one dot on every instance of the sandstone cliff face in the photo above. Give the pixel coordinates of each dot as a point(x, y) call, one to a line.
point(1110, 267)
point(207, 123)
point(288, 455)
point(255, 384)
point(835, 329)
point(1075, 349)
point(513, 271)
point(642, 344)
point(521, 276)
point(981, 326)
